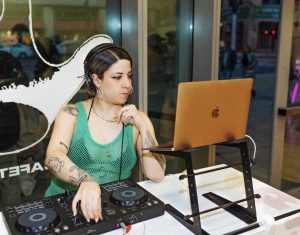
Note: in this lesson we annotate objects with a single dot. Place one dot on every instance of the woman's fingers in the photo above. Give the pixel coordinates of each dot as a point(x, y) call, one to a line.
point(97, 207)
point(127, 114)
point(90, 197)
point(93, 208)
point(90, 211)
point(84, 206)
point(128, 117)
point(74, 204)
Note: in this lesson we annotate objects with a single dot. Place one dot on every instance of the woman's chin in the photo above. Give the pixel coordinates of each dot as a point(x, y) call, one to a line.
point(120, 102)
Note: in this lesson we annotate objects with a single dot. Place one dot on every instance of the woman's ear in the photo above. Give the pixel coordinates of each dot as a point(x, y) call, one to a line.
point(96, 80)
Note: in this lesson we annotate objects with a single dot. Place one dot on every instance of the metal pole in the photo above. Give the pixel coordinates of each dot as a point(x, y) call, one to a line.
point(235, 8)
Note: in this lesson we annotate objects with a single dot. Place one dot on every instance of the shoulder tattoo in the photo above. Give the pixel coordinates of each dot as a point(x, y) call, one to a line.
point(71, 110)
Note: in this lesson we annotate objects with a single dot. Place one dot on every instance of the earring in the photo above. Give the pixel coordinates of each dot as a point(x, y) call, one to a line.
point(99, 92)
point(131, 90)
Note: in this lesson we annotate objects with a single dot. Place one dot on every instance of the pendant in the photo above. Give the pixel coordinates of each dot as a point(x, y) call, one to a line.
point(108, 153)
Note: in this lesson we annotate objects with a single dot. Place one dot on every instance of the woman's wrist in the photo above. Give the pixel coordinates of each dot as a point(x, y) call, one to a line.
point(141, 126)
point(85, 178)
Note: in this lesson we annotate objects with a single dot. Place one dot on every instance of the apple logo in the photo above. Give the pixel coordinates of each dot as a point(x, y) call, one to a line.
point(215, 112)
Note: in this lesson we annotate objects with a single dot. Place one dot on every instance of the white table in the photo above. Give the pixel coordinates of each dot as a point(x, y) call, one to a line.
point(227, 183)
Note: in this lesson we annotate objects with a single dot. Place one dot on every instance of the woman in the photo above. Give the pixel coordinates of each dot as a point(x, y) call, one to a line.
point(95, 141)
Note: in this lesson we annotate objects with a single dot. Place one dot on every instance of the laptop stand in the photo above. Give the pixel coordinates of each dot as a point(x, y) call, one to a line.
point(248, 214)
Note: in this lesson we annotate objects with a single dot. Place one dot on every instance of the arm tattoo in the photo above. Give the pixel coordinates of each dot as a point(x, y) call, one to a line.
point(71, 110)
point(56, 164)
point(73, 180)
point(61, 143)
point(80, 173)
point(148, 140)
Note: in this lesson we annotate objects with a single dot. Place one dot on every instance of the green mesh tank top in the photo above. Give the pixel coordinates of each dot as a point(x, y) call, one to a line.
point(102, 161)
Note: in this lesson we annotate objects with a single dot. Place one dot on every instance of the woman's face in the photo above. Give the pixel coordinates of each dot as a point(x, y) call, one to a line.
point(116, 82)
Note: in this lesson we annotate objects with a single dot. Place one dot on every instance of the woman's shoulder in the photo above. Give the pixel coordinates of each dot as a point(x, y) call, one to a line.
point(68, 111)
point(72, 110)
point(76, 107)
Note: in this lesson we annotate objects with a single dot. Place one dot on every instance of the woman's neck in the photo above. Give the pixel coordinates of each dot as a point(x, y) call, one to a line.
point(105, 110)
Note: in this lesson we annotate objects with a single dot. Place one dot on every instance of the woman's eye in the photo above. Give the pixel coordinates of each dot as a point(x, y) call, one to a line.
point(130, 76)
point(118, 77)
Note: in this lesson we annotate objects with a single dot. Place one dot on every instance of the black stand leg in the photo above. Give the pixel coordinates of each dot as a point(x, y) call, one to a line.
point(247, 215)
point(195, 225)
point(192, 190)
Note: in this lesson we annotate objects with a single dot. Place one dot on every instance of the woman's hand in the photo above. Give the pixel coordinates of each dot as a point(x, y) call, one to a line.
point(130, 114)
point(89, 194)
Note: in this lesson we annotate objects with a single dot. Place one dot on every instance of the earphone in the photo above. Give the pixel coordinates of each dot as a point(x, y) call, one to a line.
point(98, 49)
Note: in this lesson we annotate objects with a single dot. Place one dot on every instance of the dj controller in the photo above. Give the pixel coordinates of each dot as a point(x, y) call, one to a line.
point(123, 202)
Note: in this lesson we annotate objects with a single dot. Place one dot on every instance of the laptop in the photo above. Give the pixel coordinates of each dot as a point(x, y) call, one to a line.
point(210, 112)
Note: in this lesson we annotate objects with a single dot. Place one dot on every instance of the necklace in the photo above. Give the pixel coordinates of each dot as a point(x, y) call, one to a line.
point(108, 153)
point(100, 116)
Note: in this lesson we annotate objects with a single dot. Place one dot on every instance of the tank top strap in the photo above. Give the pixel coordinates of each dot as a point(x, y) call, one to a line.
point(128, 132)
point(81, 123)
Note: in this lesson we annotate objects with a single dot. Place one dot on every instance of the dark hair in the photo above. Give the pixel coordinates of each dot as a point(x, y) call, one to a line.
point(100, 58)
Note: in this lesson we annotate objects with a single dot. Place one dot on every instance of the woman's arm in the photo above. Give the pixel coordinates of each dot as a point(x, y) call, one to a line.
point(153, 164)
point(64, 169)
point(56, 156)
